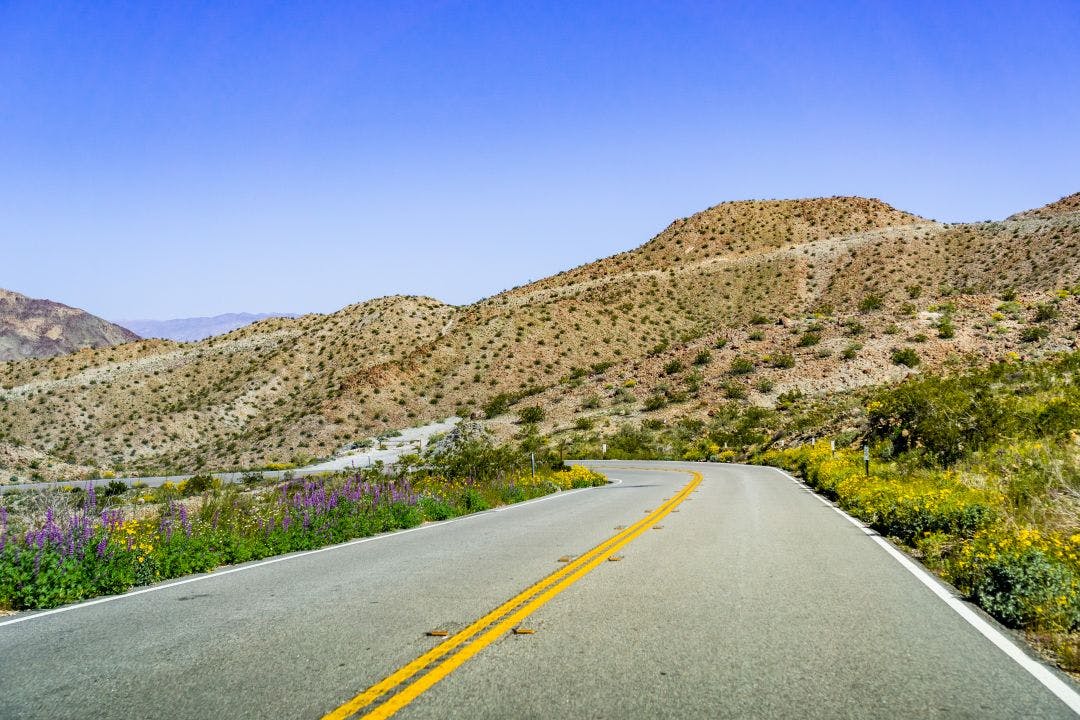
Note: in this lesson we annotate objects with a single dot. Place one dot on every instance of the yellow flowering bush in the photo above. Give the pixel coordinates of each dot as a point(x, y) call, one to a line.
point(1023, 576)
point(577, 476)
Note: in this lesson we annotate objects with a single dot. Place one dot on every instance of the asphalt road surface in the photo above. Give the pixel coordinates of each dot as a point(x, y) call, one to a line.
point(741, 596)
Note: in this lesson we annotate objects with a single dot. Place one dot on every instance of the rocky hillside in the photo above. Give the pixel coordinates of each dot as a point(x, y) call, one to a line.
point(744, 302)
point(31, 328)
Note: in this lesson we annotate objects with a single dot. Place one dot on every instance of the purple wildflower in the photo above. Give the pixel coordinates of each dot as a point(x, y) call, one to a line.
point(184, 520)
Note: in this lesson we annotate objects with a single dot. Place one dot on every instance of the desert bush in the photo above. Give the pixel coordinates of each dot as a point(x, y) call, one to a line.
point(1022, 577)
point(498, 405)
point(1045, 312)
point(673, 367)
point(781, 361)
point(655, 402)
point(1034, 333)
point(734, 391)
point(851, 351)
point(943, 417)
point(871, 302)
point(742, 366)
point(907, 357)
point(531, 414)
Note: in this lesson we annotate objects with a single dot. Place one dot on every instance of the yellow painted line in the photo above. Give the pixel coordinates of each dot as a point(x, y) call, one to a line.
point(407, 671)
point(496, 623)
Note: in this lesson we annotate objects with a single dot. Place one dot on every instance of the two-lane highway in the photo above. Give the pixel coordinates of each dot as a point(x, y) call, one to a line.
point(739, 596)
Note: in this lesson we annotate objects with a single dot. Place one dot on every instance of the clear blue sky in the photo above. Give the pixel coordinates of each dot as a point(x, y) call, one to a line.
point(166, 160)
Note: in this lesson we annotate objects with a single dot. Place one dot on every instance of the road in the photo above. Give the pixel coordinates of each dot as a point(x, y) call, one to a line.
point(408, 440)
point(741, 596)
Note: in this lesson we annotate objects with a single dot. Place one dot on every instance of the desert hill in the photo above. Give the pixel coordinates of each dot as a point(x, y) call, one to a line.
point(32, 328)
point(1065, 206)
point(742, 302)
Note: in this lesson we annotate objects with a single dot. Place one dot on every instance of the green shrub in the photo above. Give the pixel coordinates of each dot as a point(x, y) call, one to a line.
point(871, 302)
point(1045, 312)
point(742, 366)
point(1034, 333)
point(497, 405)
point(531, 414)
point(673, 367)
point(907, 357)
point(851, 351)
point(944, 417)
point(655, 402)
point(704, 357)
point(809, 339)
point(780, 361)
point(854, 327)
point(200, 483)
point(734, 390)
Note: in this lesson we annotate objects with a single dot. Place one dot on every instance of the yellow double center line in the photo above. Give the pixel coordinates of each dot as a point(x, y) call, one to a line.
point(465, 644)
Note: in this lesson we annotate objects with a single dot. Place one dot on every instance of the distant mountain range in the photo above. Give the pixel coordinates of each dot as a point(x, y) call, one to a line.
point(32, 328)
point(197, 328)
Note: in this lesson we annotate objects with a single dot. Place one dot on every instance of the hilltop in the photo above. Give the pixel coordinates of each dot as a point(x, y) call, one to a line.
point(743, 302)
point(33, 328)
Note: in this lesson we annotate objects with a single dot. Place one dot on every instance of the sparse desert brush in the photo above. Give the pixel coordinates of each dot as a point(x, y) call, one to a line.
point(673, 367)
point(808, 339)
point(742, 366)
point(854, 327)
point(1045, 312)
point(780, 361)
point(851, 351)
point(734, 390)
point(1034, 333)
point(655, 402)
point(871, 302)
point(908, 357)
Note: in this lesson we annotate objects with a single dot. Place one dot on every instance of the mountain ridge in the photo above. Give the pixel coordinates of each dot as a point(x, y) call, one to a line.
point(35, 328)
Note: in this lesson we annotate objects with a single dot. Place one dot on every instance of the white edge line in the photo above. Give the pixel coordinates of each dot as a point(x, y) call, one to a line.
point(282, 558)
point(1040, 672)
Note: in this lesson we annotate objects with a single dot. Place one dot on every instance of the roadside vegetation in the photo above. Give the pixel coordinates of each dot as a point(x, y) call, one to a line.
point(978, 475)
point(65, 546)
